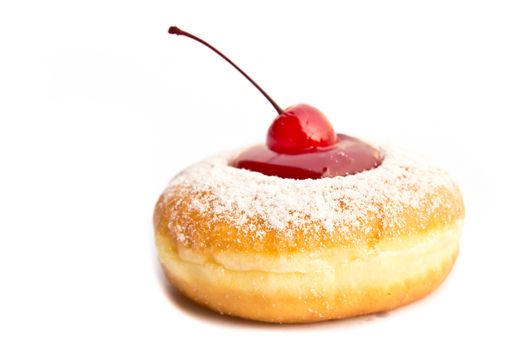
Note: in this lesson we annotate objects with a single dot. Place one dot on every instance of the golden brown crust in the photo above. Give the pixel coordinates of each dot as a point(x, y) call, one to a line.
point(205, 233)
point(332, 248)
point(297, 309)
point(369, 281)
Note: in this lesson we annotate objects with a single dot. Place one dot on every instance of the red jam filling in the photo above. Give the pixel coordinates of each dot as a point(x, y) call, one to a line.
point(347, 157)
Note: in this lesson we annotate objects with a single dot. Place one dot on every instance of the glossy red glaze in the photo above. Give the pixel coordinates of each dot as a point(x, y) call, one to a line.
point(299, 129)
point(349, 156)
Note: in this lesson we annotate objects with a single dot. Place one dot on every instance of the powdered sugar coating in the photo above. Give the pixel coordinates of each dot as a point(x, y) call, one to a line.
point(339, 205)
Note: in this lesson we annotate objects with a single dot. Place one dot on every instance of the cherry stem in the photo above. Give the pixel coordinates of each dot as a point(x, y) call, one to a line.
point(178, 31)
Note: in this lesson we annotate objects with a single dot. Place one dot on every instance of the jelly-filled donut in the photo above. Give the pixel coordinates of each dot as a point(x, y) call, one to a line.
point(313, 225)
point(286, 250)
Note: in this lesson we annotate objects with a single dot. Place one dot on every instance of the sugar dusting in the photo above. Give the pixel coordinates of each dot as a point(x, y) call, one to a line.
point(339, 204)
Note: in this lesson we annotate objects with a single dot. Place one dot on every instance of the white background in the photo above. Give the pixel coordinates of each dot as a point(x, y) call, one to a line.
point(100, 107)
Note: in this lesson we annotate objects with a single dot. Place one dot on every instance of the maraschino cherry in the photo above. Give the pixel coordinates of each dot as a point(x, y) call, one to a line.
point(297, 129)
point(300, 129)
point(301, 142)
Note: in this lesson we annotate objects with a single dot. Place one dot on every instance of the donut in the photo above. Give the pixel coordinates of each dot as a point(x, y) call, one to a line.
point(313, 225)
point(288, 250)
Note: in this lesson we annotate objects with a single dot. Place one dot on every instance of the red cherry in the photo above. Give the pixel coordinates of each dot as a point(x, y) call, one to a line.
point(300, 129)
point(297, 129)
point(294, 138)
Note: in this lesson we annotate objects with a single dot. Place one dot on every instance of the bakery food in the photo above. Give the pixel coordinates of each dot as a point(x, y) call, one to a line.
point(285, 250)
point(313, 225)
